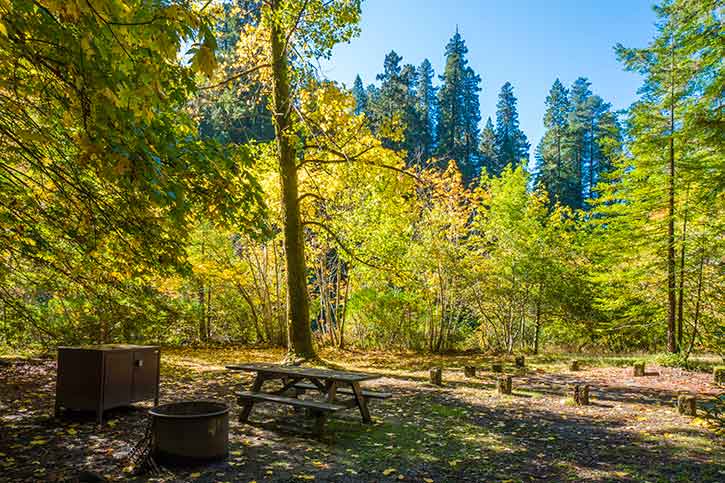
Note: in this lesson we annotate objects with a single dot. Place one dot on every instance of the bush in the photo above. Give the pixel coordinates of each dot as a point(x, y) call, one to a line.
point(673, 360)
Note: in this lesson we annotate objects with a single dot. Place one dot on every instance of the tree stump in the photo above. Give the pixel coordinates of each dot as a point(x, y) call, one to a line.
point(497, 367)
point(574, 365)
point(504, 385)
point(436, 376)
point(580, 394)
point(469, 371)
point(638, 369)
point(718, 374)
point(520, 361)
point(687, 404)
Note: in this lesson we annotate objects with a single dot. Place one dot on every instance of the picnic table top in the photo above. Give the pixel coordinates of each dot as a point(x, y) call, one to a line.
point(278, 369)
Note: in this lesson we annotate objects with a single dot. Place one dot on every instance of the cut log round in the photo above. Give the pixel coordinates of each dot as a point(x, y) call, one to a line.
point(469, 371)
point(638, 369)
point(718, 374)
point(520, 361)
point(580, 394)
point(687, 404)
point(504, 385)
point(497, 367)
point(436, 376)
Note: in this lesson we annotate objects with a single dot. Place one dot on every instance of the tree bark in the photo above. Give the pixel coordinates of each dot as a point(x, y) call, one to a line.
point(681, 295)
point(299, 335)
point(671, 282)
point(537, 327)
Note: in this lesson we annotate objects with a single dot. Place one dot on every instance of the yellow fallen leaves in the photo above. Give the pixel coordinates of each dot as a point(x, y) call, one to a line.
point(389, 471)
point(195, 475)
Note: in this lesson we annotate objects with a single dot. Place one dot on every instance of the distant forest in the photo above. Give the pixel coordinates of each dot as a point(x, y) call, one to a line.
point(441, 121)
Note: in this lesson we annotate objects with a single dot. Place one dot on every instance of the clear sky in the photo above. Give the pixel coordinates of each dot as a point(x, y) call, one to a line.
point(526, 42)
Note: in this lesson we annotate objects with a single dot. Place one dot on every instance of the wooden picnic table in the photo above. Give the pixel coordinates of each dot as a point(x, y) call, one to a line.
point(331, 388)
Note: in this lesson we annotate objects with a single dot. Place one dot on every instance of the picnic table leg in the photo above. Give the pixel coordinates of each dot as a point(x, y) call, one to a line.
point(331, 391)
point(320, 419)
point(362, 402)
point(247, 405)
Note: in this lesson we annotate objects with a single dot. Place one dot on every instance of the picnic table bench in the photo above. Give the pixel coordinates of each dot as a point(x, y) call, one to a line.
point(327, 385)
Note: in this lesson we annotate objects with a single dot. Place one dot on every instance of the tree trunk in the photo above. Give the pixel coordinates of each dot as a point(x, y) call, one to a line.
point(697, 303)
point(671, 283)
point(343, 314)
point(299, 335)
point(537, 327)
point(201, 299)
point(681, 296)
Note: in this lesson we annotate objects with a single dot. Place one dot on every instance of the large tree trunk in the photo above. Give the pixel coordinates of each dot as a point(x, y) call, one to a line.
point(671, 282)
point(299, 336)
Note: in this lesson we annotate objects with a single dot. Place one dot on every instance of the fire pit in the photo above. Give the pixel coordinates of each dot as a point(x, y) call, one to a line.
point(189, 432)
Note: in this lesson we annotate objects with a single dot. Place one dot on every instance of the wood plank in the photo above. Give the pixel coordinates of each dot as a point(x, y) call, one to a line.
point(303, 403)
point(349, 391)
point(294, 371)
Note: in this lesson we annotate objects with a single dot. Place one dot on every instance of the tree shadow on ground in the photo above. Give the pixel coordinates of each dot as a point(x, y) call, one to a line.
point(461, 432)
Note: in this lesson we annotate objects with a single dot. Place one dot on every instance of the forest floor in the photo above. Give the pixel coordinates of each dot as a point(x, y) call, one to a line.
point(461, 432)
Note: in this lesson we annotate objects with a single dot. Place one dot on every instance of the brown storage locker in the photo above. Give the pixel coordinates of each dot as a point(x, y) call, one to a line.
point(101, 377)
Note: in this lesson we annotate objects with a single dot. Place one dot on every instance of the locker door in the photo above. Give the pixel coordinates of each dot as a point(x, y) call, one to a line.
point(145, 368)
point(118, 378)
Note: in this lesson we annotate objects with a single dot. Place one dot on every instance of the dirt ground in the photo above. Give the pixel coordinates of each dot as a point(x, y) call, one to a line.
point(461, 432)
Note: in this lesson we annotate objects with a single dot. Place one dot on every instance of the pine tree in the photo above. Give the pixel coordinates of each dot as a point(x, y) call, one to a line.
point(426, 109)
point(361, 97)
point(556, 173)
point(471, 162)
point(458, 113)
point(581, 119)
point(393, 107)
point(488, 148)
point(657, 242)
point(512, 147)
point(656, 126)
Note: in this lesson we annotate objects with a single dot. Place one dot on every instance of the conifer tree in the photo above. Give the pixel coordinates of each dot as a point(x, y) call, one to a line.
point(458, 113)
point(512, 147)
point(426, 109)
point(581, 119)
point(487, 148)
point(394, 105)
point(556, 173)
point(360, 95)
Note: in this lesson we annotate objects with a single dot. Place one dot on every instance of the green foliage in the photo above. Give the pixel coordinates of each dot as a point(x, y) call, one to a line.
point(673, 360)
point(511, 147)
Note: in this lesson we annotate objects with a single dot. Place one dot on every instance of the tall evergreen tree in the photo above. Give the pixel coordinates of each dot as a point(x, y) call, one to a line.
point(581, 118)
point(658, 123)
point(471, 166)
point(361, 97)
point(556, 172)
point(458, 113)
point(393, 108)
point(512, 147)
point(488, 148)
point(426, 108)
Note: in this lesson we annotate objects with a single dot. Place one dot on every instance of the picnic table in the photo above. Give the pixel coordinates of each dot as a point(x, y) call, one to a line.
point(334, 390)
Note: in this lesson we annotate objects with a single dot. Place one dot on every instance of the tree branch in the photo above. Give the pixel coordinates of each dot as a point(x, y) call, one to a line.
point(237, 76)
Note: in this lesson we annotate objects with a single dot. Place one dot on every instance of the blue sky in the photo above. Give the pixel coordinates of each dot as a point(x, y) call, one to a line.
point(526, 42)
